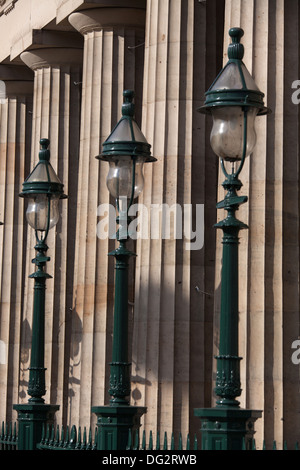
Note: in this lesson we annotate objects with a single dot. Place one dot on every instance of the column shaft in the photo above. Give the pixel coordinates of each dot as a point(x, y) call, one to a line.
point(113, 61)
point(269, 252)
point(56, 116)
point(15, 135)
point(173, 313)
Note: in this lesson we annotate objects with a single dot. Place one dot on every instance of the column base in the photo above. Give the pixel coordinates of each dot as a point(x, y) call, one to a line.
point(114, 423)
point(226, 428)
point(32, 417)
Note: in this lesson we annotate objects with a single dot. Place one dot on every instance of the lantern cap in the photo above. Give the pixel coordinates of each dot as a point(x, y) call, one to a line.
point(43, 179)
point(234, 86)
point(126, 139)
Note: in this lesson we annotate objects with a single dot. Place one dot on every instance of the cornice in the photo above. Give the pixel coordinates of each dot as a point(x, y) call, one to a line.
point(6, 6)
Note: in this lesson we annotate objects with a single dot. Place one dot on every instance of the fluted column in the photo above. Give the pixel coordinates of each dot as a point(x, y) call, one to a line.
point(56, 116)
point(113, 61)
point(269, 251)
point(172, 349)
point(15, 135)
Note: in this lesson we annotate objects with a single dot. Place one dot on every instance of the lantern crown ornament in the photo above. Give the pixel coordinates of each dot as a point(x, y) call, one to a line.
point(126, 139)
point(126, 150)
point(234, 85)
point(234, 101)
point(43, 189)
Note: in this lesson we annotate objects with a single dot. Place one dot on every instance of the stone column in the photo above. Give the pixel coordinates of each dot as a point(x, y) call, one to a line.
point(172, 349)
point(56, 116)
point(15, 135)
point(269, 251)
point(113, 61)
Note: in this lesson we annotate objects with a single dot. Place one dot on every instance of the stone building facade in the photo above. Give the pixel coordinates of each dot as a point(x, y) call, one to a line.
point(63, 67)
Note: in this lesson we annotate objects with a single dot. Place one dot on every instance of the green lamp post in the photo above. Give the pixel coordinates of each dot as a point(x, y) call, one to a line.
point(234, 101)
point(126, 150)
point(43, 190)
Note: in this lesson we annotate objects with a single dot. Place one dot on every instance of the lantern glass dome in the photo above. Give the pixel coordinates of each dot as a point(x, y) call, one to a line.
point(41, 211)
point(126, 150)
point(228, 132)
point(125, 177)
point(234, 100)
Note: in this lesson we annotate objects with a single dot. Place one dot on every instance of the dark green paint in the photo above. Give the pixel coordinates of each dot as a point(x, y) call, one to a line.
point(34, 415)
point(234, 97)
point(226, 426)
point(116, 419)
point(134, 148)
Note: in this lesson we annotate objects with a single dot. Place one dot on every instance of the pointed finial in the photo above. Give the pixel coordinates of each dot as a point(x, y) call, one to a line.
point(236, 49)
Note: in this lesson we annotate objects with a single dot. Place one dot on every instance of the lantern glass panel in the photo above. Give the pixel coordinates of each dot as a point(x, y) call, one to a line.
point(43, 172)
point(120, 177)
point(38, 211)
point(227, 134)
point(231, 79)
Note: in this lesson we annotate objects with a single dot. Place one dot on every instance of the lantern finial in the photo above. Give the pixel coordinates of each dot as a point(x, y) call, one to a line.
point(236, 49)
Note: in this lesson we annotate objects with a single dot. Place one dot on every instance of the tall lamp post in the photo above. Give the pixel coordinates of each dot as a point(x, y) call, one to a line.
point(43, 190)
point(126, 150)
point(234, 101)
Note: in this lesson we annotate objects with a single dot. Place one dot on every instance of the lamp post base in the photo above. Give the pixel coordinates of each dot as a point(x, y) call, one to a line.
point(114, 424)
point(32, 417)
point(226, 428)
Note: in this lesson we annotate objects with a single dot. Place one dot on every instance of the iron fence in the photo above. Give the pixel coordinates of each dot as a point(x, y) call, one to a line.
point(71, 438)
point(8, 436)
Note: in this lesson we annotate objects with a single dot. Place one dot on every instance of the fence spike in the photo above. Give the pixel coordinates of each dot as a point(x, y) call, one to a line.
point(73, 438)
point(78, 440)
point(61, 441)
point(95, 439)
point(150, 441)
point(66, 440)
point(274, 445)
point(188, 442)
point(129, 440)
point(89, 440)
point(15, 432)
point(195, 442)
point(56, 441)
point(180, 442)
point(172, 442)
point(136, 440)
point(47, 434)
point(165, 444)
point(144, 440)
point(52, 436)
point(157, 441)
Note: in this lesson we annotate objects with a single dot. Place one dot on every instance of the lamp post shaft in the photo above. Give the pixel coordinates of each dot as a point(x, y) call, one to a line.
point(228, 385)
point(227, 426)
point(36, 387)
point(35, 414)
point(116, 420)
point(119, 367)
